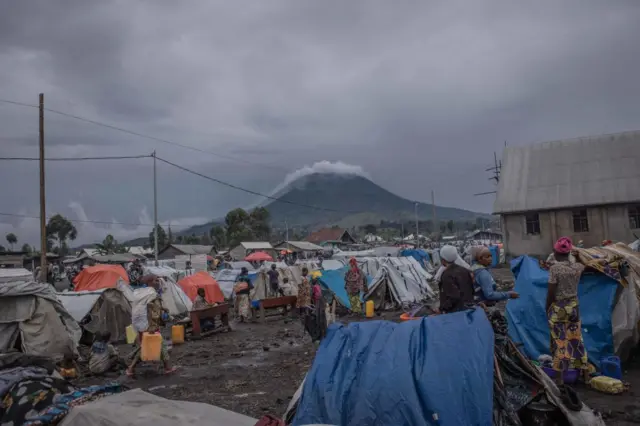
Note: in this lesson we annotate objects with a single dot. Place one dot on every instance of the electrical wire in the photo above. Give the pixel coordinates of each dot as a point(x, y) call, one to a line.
point(142, 135)
point(78, 220)
point(239, 188)
point(124, 157)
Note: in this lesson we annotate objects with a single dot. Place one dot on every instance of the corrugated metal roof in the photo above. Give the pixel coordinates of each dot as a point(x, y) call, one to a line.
point(301, 245)
point(570, 173)
point(193, 249)
point(257, 245)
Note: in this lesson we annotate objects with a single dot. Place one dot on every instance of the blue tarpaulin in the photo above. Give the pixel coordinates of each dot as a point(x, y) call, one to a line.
point(434, 371)
point(334, 281)
point(495, 255)
point(418, 254)
point(528, 319)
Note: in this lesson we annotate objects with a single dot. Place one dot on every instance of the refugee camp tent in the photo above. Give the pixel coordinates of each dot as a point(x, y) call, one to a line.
point(334, 281)
point(99, 311)
point(260, 280)
point(405, 374)
point(99, 277)
point(202, 279)
point(239, 265)
point(139, 408)
point(163, 271)
point(32, 316)
point(15, 274)
point(332, 264)
point(399, 281)
point(597, 294)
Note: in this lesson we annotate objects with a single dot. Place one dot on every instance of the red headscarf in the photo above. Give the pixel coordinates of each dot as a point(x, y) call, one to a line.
point(563, 245)
point(353, 262)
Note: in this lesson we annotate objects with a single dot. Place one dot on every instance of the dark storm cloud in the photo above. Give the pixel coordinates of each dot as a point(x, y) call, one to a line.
point(420, 94)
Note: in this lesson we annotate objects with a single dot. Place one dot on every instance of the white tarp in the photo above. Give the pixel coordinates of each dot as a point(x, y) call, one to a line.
point(404, 279)
point(139, 408)
point(79, 303)
point(33, 310)
point(174, 299)
point(15, 274)
point(332, 264)
point(162, 271)
point(226, 279)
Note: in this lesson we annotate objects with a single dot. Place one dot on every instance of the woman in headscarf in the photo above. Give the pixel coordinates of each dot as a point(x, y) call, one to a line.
point(303, 300)
point(484, 286)
point(563, 312)
point(355, 282)
point(242, 290)
point(456, 284)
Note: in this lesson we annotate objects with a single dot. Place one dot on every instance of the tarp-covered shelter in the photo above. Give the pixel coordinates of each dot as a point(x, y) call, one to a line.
point(139, 408)
point(399, 281)
point(608, 312)
point(33, 319)
point(100, 276)
point(334, 281)
point(260, 280)
point(202, 279)
point(405, 374)
point(14, 274)
point(99, 311)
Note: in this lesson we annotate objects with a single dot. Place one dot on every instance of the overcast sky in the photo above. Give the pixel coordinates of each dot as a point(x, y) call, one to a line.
point(418, 94)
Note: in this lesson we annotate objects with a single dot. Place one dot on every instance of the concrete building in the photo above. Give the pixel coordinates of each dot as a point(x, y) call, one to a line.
point(585, 188)
point(332, 237)
point(173, 250)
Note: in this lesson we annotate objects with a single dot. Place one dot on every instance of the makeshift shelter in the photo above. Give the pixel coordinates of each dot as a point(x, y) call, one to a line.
point(400, 281)
point(14, 274)
point(202, 279)
point(334, 281)
point(139, 408)
point(99, 311)
point(378, 373)
point(599, 297)
point(32, 317)
point(260, 280)
point(99, 277)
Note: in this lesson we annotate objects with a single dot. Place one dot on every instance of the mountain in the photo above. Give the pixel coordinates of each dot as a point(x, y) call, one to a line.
point(343, 200)
point(350, 200)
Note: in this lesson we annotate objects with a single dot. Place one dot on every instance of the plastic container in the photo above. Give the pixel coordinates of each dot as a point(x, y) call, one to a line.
point(369, 308)
point(177, 334)
point(151, 347)
point(407, 317)
point(131, 334)
point(610, 366)
point(570, 376)
point(607, 385)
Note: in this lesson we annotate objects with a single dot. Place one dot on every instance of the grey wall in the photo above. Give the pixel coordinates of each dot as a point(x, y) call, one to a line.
point(605, 223)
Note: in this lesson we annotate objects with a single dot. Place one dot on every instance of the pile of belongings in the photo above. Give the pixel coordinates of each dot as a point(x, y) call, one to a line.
point(33, 393)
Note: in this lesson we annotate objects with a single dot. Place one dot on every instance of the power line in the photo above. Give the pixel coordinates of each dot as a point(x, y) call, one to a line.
point(239, 188)
point(78, 220)
point(142, 135)
point(124, 157)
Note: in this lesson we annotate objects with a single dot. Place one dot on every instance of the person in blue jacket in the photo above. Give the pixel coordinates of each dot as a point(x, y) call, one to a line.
point(484, 286)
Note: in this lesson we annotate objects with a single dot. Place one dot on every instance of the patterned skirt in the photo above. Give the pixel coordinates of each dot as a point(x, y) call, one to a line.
point(243, 305)
point(567, 346)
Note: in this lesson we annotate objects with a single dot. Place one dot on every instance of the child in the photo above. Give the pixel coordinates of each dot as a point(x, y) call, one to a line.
point(104, 356)
point(68, 369)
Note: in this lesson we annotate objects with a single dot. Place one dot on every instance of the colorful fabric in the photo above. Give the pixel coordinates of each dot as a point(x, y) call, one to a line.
point(154, 315)
point(355, 280)
point(567, 277)
point(304, 293)
point(243, 305)
point(356, 305)
point(604, 261)
point(64, 403)
point(28, 397)
point(563, 245)
point(567, 346)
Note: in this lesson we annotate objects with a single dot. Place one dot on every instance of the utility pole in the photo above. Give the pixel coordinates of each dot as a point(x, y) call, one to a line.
point(155, 211)
point(417, 234)
point(286, 227)
point(436, 226)
point(43, 210)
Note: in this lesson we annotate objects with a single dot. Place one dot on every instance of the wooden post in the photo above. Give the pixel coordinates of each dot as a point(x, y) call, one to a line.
point(43, 212)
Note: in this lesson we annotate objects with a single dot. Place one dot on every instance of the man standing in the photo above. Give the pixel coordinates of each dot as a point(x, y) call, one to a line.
point(456, 284)
point(274, 276)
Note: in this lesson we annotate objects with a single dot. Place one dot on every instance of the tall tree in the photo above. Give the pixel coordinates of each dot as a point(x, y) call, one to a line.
point(370, 229)
point(450, 225)
point(218, 237)
point(110, 245)
point(26, 248)
point(162, 238)
point(2, 249)
point(259, 223)
point(59, 229)
point(12, 239)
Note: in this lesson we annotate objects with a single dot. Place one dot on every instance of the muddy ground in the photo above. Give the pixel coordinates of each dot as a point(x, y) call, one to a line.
point(256, 368)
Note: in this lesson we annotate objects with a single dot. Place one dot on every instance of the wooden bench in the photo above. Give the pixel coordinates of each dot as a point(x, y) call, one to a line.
point(209, 313)
point(276, 302)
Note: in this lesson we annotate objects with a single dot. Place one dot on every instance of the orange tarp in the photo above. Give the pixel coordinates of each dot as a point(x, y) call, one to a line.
point(99, 277)
point(192, 283)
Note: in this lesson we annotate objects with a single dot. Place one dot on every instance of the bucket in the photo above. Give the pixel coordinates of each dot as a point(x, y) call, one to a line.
point(151, 347)
point(131, 334)
point(570, 376)
point(177, 334)
point(610, 367)
point(368, 308)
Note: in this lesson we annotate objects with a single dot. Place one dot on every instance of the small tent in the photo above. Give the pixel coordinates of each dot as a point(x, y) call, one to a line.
point(202, 279)
point(399, 281)
point(32, 318)
point(260, 280)
point(99, 311)
point(99, 277)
